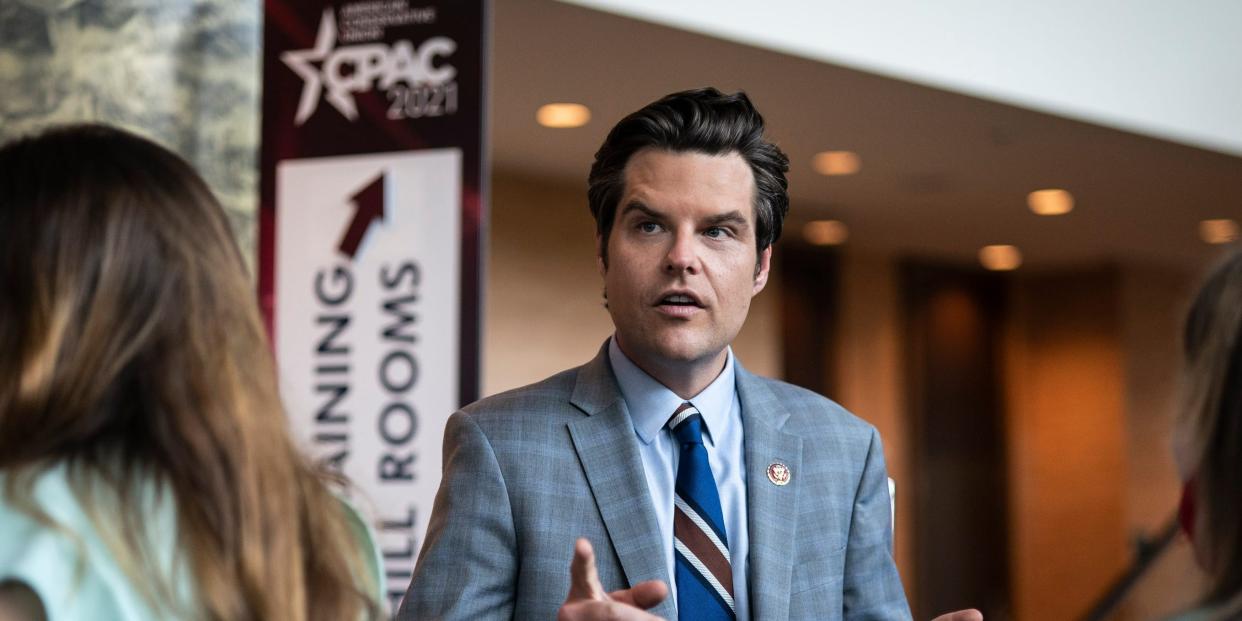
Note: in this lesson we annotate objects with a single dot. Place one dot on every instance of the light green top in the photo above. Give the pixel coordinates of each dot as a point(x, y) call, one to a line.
point(78, 576)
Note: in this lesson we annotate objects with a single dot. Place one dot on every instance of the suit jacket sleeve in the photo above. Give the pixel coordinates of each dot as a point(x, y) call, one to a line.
point(468, 565)
point(872, 589)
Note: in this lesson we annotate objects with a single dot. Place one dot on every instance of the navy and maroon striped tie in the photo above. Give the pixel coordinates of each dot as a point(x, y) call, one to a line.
point(704, 574)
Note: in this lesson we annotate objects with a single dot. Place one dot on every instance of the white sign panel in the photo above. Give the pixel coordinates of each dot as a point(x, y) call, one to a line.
point(368, 252)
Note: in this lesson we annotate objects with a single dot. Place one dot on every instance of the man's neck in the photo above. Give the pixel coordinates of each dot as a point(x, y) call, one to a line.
point(685, 378)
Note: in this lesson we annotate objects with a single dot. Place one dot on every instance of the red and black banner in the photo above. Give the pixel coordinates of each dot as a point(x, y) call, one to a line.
point(372, 201)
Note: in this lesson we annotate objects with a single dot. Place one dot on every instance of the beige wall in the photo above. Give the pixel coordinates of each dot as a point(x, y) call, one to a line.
point(1067, 454)
point(871, 380)
point(543, 308)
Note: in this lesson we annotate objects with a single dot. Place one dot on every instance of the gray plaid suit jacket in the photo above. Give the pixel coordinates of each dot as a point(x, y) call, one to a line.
point(529, 470)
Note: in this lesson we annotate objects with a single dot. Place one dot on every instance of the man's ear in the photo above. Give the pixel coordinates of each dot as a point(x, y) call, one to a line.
point(762, 267)
point(600, 263)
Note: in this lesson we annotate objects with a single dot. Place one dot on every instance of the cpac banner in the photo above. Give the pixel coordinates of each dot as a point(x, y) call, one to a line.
point(369, 241)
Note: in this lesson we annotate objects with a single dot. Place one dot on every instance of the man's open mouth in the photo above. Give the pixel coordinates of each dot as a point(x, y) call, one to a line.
point(679, 299)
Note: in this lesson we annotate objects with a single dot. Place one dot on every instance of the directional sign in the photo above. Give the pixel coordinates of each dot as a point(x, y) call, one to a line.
point(365, 320)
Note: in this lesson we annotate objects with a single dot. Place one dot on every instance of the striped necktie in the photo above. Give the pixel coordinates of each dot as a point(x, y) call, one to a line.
point(704, 575)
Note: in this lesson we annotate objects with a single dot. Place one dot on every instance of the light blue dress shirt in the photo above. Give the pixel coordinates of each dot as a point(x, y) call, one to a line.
point(651, 404)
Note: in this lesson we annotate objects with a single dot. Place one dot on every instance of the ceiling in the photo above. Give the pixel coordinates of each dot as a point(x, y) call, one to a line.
point(1172, 73)
point(943, 174)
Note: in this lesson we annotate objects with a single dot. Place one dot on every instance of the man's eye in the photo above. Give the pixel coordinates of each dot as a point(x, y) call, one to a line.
point(716, 232)
point(648, 227)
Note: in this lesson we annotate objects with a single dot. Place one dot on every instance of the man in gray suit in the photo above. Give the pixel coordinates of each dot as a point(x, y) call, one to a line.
point(741, 497)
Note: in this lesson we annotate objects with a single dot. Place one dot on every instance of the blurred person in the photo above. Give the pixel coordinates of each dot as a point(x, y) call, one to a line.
point(1208, 439)
point(699, 490)
point(146, 471)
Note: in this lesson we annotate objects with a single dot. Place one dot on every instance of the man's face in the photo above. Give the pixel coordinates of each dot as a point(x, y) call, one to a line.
point(682, 264)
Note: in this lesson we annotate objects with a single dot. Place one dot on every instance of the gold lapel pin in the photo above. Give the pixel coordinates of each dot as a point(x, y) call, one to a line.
point(779, 473)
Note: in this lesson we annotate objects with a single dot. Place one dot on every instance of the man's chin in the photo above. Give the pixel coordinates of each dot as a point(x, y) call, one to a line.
point(686, 353)
point(672, 348)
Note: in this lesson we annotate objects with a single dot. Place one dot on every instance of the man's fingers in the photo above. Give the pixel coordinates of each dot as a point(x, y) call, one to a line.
point(961, 615)
point(583, 579)
point(587, 599)
point(642, 595)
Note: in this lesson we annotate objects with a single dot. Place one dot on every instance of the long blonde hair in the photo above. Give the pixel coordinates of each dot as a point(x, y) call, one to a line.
point(132, 350)
point(1209, 433)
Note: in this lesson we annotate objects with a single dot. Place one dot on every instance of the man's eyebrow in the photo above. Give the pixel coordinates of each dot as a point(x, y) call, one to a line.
point(639, 207)
point(733, 217)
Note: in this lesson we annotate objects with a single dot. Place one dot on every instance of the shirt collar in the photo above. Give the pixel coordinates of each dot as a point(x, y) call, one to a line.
point(651, 403)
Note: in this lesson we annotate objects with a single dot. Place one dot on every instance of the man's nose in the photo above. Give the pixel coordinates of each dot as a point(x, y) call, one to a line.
point(683, 255)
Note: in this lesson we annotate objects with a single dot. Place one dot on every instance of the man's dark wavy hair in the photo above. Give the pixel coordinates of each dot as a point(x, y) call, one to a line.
point(705, 121)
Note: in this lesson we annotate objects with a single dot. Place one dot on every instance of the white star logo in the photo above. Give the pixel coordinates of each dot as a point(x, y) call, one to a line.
point(300, 61)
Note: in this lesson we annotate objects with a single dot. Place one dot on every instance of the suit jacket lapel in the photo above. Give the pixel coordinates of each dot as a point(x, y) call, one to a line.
point(608, 451)
point(772, 510)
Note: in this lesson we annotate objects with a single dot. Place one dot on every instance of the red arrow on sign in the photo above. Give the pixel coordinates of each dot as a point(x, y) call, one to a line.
point(368, 207)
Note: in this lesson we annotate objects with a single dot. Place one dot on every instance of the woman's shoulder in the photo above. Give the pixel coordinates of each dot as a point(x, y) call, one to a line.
point(372, 558)
point(40, 509)
point(65, 550)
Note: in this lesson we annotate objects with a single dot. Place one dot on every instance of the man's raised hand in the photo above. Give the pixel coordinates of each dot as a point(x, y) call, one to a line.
point(587, 600)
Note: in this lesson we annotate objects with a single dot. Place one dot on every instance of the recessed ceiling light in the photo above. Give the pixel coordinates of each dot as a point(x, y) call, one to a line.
point(1050, 202)
point(834, 163)
point(1221, 231)
point(563, 115)
point(1000, 258)
point(825, 232)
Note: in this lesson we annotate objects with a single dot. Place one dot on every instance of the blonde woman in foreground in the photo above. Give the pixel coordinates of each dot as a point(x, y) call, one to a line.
point(146, 471)
point(1208, 444)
